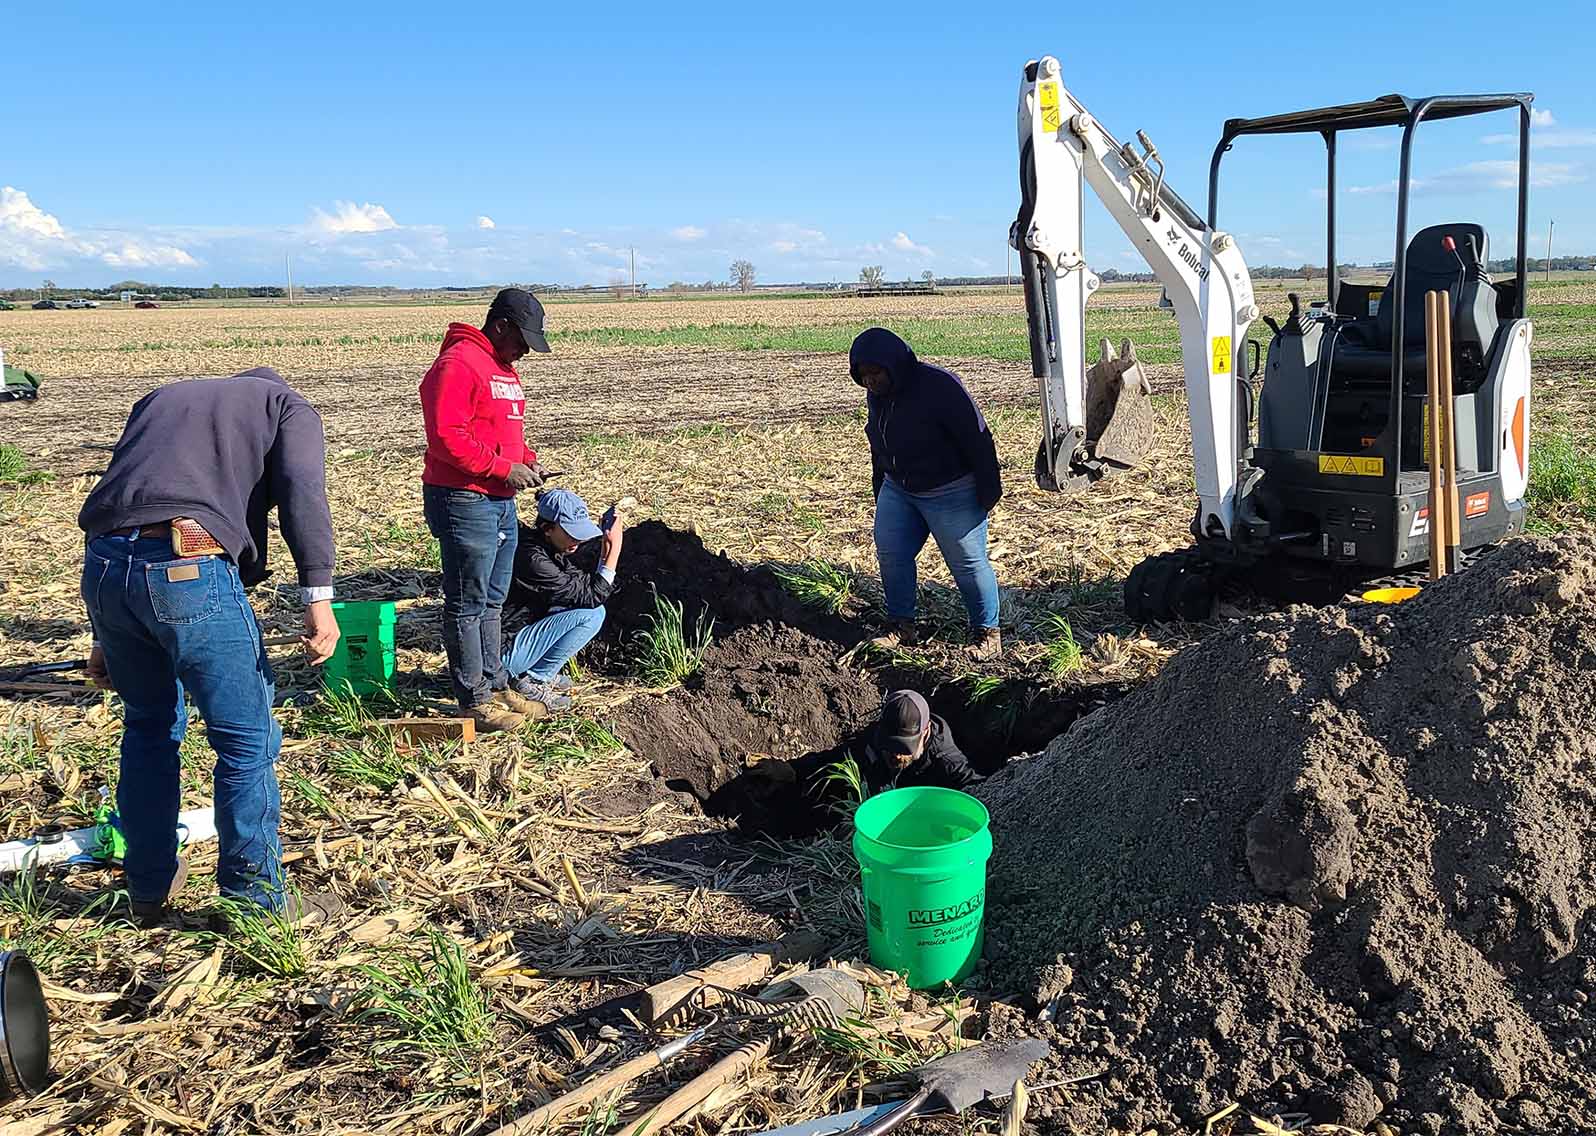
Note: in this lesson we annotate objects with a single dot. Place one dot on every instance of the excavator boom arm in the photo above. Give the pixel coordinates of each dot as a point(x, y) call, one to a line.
point(1202, 271)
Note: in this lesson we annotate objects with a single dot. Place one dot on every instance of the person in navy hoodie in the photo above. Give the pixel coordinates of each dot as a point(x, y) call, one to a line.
point(934, 473)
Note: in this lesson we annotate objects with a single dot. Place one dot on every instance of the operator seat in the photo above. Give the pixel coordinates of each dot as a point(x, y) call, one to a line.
point(1431, 267)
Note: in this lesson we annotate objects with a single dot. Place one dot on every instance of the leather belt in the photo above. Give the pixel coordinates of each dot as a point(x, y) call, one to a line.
point(188, 536)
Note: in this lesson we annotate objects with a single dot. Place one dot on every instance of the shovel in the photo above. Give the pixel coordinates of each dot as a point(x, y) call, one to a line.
point(29, 671)
point(960, 1080)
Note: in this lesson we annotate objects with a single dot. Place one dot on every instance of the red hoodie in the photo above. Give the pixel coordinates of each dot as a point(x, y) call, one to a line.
point(474, 408)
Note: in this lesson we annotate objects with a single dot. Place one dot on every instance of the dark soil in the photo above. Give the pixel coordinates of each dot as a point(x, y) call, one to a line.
point(773, 685)
point(1339, 862)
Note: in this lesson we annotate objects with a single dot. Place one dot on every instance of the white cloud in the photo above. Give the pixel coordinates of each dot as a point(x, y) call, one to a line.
point(347, 217)
point(33, 239)
point(902, 243)
point(20, 215)
point(784, 246)
point(485, 222)
point(689, 233)
point(1498, 173)
point(1546, 135)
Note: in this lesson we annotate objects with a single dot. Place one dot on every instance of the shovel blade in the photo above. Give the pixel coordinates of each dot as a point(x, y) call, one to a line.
point(1119, 411)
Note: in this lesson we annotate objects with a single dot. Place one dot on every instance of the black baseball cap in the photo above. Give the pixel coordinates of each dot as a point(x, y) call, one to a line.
point(904, 717)
point(521, 308)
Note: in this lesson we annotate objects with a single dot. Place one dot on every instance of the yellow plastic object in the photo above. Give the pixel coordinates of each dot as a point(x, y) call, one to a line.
point(1390, 595)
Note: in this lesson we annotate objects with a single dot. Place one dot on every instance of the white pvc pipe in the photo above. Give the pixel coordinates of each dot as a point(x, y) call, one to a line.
point(15, 855)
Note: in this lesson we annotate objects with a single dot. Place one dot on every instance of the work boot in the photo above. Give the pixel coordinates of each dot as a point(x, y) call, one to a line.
point(150, 914)
point(903, 633)
point(542, 694)
point(985, 643)
point(520, 703)
point(493, 717)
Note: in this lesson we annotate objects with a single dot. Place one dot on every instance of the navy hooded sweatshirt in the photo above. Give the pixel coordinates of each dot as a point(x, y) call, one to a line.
point(926, 431)
point(224, 452)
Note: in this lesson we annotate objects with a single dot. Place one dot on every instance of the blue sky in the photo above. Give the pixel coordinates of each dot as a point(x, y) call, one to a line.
point(421, 144)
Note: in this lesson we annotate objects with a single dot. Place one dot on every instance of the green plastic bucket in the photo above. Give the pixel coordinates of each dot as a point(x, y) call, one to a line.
point(922, 854)
point(363, 661)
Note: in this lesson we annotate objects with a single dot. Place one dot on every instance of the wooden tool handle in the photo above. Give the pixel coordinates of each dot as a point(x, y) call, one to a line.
point(618, 1077)
point(665, 998)
point(687, 1098)
point(1434, 453)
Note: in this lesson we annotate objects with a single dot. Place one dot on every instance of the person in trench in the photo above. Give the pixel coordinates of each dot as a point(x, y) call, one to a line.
point(907, 745)
point(934, 472)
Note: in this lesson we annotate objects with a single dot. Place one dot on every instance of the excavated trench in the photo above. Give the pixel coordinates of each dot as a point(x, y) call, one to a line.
point(772, 686)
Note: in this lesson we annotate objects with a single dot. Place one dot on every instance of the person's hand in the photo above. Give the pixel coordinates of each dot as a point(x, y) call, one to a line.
point(96, 670)
point(525, 476)
point(321, 632)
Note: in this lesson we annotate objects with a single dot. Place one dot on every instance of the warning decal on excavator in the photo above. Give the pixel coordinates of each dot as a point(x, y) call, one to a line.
point(1351, 465)
point(1048, 94)
point(1221, 354)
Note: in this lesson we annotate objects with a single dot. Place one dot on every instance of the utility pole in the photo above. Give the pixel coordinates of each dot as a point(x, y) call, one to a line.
point(1549, 226)
point(632, 257)
point(288, 266)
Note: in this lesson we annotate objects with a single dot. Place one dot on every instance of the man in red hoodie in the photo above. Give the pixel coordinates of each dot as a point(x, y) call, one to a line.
point(477, 461)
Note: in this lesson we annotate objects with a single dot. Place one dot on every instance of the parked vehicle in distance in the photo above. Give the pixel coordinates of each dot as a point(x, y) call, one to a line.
point(146, 304)
point(6, 306)
point(45, 305)
point(78, 303)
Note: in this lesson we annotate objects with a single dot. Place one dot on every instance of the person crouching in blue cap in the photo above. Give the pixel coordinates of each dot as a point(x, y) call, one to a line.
point(564, 604)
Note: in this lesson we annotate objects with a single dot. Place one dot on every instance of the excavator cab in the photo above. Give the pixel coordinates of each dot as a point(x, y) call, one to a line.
point(1332, 480)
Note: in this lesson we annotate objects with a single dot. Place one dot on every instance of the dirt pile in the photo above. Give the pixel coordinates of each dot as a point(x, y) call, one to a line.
point(1340, 862)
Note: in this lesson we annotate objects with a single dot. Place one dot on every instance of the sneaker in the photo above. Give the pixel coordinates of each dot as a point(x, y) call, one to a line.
point(519, 703)
point(151, 913)
point(542, 694)
point(560, 682)
point(493, 717)
point(903, 633)
point(986, 643)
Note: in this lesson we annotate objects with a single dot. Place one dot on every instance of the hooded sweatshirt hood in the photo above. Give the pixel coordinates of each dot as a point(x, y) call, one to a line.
point(878, 347)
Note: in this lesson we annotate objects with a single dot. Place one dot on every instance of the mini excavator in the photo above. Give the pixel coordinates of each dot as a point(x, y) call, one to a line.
point(1309, 454)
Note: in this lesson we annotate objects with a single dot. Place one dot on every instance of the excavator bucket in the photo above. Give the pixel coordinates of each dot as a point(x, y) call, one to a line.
point(1119, 412)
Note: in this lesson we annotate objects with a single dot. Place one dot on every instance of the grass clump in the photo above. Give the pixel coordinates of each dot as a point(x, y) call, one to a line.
point(1562, 485)
point(849, 779)
point(670, 654)
point(570, 740)
point(1061, 653)
point(13, 462)
point(374, 762)
point(818, 585)
point(434, 1007)
point(270, 941)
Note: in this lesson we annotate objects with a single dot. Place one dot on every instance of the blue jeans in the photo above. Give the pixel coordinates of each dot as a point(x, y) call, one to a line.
point(477, 535)
point(168, 626)
point(953, 515)
point(542, 648)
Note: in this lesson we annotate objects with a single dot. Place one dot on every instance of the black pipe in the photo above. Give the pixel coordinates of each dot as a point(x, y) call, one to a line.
point(1523, 208)
point(1331, 275)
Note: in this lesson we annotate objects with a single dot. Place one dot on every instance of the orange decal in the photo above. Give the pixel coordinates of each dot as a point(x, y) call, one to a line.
point(1518, 435)
point(1477, 504)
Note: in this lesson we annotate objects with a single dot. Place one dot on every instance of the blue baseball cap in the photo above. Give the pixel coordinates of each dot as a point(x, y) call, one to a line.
point(568, 511)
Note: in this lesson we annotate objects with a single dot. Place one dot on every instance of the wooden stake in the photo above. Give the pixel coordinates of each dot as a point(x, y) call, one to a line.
point(1454, 504)
point(1433, 452)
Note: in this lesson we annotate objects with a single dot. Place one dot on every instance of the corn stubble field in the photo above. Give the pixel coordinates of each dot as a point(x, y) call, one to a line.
point(498, 891)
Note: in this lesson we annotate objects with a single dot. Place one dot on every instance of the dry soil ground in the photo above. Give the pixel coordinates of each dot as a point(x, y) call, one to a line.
point(498, 892)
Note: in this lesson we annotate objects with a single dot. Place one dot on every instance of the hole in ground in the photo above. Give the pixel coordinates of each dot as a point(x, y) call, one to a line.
point(772, 686)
